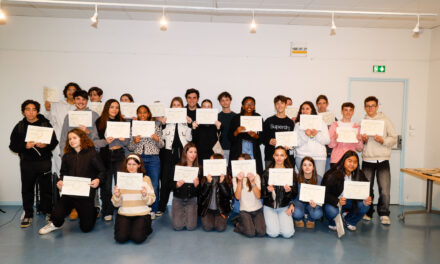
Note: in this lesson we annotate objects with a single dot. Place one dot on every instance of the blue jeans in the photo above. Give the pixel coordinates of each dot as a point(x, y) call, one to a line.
point(353, 216)
point(302, 208)
point(152, 168)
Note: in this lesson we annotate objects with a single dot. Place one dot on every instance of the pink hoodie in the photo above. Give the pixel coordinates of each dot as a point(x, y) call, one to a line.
point(340, 148)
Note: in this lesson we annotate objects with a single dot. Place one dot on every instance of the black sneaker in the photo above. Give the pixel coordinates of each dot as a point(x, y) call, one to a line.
point(26, 222)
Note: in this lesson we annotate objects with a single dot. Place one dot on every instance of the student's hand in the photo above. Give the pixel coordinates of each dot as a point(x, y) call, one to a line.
point(273, 142)
point(121, 139)
point(137, 139)
point(336, 135)
point(84, 128)
point(287, 188)
point(314, 132)
point(378, 139)
point(209, 178)
point(222, 178)
point(342, 201)
point(47, 105)
point(196, 182)
point(41, 145)
point(270, 188)
point(94, 184)
point(134, 118)
point(117, 191)
point(359, 137)
point(294, 119)
point(312, 204)
point(109, 140)
point(60, 185)
point(253, 134)
point(364, 138)
point(144, 191)
point(155, 137)
point(189, 120)
point(123, 116)
point(179, 183)
point(290, 210)
point(239, 130)
point(30, 144)
point(308, 132)
point(368, 201)
point(195, 125)
point(162, 119)
point(218, 124)
point(251, 177)
point(240, 176)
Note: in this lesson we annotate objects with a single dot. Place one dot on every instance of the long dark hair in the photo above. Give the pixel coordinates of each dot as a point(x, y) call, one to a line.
point(340, 165)
point(248, 182)
point(244, 100)
point(287, 163)
point(301, 178)
point(105, 115)
point(299, 111)
point(184, 160)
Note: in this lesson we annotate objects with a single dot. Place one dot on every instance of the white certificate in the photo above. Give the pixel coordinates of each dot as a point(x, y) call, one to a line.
point(50, 94)
point(175, 115)
point(214, 167)
point(185, 173)
point(292, 111)
point(252, 123)
point(356, 190)
point(117, 129)
point(327, 117)
point(347, 135)
point(96, 106)
point(372, 127)
point(39, 134)
point(143, 128)
point(77, 118)
point(157, 109)
point(339, 225)
point(310, 122)
point(206, 116)
point(78, 186)
point(245, 166)
point(129, 181)
point(311, 192)
point(129, 110)
point(288, 138)
point(280, 177)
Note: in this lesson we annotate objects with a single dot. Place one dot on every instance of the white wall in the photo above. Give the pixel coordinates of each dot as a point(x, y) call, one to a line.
point(136, 57)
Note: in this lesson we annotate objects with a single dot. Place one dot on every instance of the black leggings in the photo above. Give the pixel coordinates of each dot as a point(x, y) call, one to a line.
point(84, 206)
point(135, 228)
point(166, 179)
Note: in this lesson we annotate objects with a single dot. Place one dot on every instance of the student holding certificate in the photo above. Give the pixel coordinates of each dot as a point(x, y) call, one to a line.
point(81, 161)
point(276, 199)
point(133, 220)
point(339, 146)
point(215, 197)
point(205, 136)
point(95, 94)
point(184, 205)
point(111, 152)
point(148, 148)
point(322, 104)
point(126, 98)
point(311, 142)
point(242, 141)
point(35, 161)
point(347, 169)
point(308, 175)
point(376, 159)
point(247, 190)
point(225, 117)
point(192, 103)
point(175, 137)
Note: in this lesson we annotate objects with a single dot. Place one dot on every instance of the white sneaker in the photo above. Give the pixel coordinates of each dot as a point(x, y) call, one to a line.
point(366, 218)
point(351, 228)
point(48, 228)
point(108, 218)
point(331, 227)
point(385, 220)
point(159, 214)
point(153, 215)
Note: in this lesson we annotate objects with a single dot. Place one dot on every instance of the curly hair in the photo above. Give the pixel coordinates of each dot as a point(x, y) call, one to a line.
point(85, 141)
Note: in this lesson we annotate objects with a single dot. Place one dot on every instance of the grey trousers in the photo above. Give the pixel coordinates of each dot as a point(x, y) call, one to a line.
point(184, 213)
point(213, 220)
point(251, 224)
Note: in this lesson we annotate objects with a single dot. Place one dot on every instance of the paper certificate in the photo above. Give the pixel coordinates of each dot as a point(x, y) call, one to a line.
point(50, 94)
point(214, 167)
point(157, 109)
point(310, 192)
point(78, 118)
point(175, 115)
point(129, 181)
point(252, 123)
point(347, 135)
point(117, 129)
point(292, 111)
point(310, 122)
point(143, 128)
point(77, 186)
point(206, 116)
point(280, 177)
point(39, 134)
point(96, 106)
point(328, 118)
point(288, 139)
point(356, 190)
point(185, 173)
point(372, 127)
point(245, 166)
point(129, 110)
point(339, 225)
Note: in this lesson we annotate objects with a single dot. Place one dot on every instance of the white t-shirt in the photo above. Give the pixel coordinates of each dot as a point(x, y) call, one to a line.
point(248, 201)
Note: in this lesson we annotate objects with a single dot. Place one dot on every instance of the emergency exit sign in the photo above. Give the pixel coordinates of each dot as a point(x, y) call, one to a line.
point(378, 68)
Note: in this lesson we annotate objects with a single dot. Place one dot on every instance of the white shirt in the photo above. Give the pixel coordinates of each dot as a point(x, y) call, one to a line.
point(57, 113)
point(248, 201)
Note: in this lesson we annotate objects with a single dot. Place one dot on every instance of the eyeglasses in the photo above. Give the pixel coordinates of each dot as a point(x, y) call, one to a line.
point(370, 106)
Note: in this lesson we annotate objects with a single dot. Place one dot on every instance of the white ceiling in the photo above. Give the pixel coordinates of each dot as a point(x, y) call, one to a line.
point(416, 6)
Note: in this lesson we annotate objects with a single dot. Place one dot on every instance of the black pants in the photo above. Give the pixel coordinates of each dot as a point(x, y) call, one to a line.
point(166, 179)
point(114, 164)
point(84, 206)
point(135, 228)
point(31, 173)
point(380, 171)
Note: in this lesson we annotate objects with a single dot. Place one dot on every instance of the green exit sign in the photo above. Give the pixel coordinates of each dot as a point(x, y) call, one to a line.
point(378, 68)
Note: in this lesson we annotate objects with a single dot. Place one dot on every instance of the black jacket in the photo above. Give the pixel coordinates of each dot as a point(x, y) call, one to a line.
point(271, 125)
point(18, 145)
point(187, 190)
point(85, 163)
point(223, 193)
point(282, 198)
point(205, 137)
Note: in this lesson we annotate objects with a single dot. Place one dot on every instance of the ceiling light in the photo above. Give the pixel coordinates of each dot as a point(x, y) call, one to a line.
point(416, 29)
point(333, 28)
point(94, 18)
point(163, 21)
point(253, 24)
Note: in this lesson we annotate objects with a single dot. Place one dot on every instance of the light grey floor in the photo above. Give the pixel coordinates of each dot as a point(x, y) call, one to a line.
point(415, 241)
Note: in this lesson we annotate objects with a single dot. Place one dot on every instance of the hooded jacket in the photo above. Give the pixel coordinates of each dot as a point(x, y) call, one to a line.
point(373, 150)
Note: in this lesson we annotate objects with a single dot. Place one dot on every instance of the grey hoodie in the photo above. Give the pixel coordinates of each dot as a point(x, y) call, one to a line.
point(373, 150)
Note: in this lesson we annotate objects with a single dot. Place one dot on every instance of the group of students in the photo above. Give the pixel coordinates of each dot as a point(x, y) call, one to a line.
point(262, 208)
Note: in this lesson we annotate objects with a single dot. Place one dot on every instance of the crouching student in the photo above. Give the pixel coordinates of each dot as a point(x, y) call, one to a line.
point(215, 199)
point(133, 220)
point(80, 159)
point(247, 190)
point(299, 209)
point(184, 205)
point(347, 169)
point(276, 199)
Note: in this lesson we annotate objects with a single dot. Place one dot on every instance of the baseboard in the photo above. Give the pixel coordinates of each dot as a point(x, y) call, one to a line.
point(418, 204)
point(11, 203)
